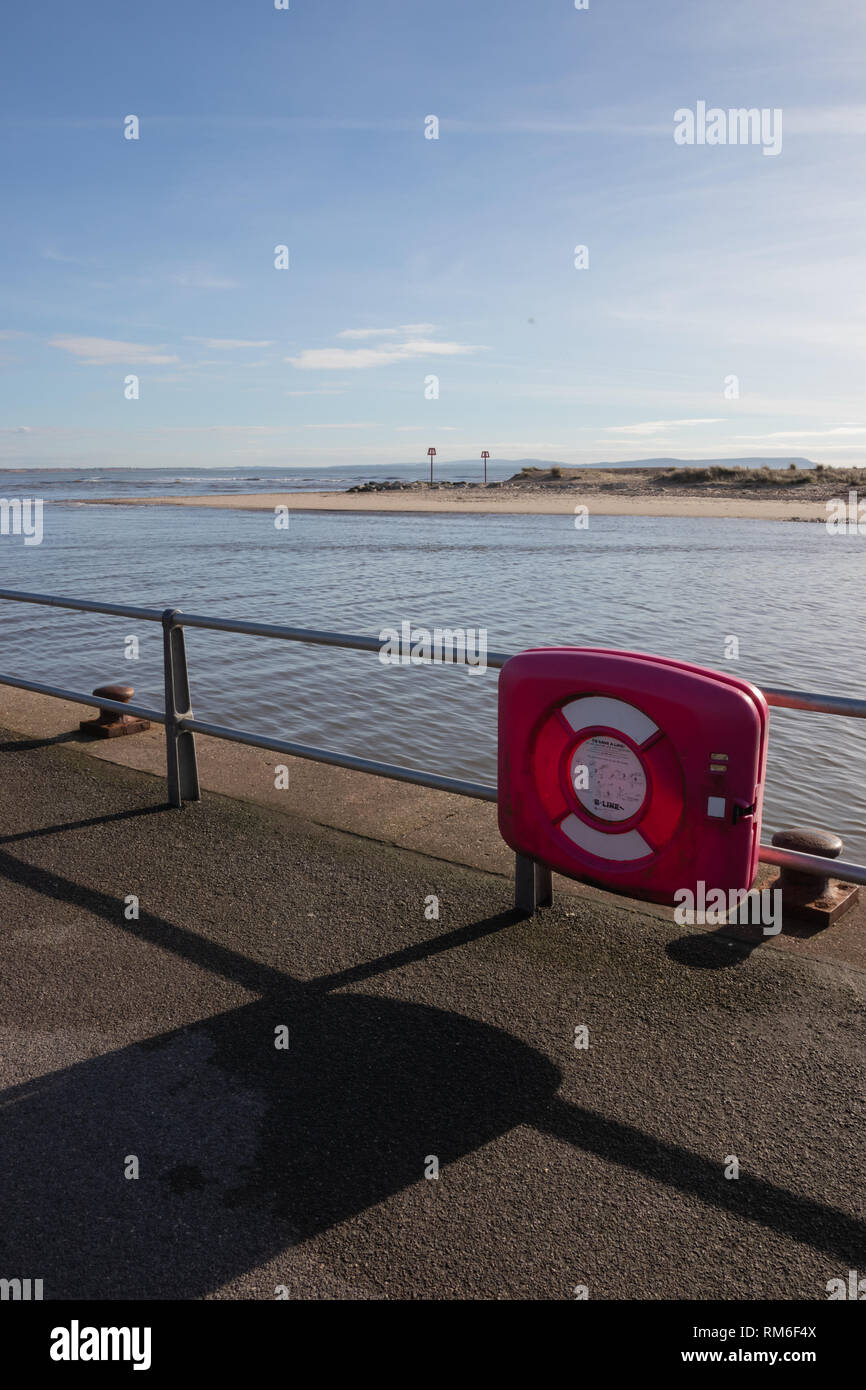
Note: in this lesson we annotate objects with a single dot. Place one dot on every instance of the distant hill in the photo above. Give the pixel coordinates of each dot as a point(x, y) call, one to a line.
point(782, 462)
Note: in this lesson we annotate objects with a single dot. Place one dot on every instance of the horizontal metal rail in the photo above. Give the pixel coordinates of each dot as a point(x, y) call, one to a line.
point(118, 610)
point(480, 790)
point(778, 697)
point(813, 864)
point(822, 704)
point(78, 698)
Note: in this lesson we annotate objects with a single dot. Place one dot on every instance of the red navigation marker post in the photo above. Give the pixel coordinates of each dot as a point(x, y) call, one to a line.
point(432, 455)
point(485, 455)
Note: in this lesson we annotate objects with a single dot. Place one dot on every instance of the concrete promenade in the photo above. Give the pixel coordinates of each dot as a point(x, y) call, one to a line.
point(264, 1168)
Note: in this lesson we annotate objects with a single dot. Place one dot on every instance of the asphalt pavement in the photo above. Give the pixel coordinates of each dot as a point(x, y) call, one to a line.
point(237, 1046)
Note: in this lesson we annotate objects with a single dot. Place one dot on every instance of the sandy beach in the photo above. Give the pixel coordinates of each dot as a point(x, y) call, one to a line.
point(524, 503)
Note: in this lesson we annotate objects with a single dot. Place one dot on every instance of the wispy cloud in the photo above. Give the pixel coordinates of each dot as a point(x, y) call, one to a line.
point(793, 446)
point(50, 254)
point(321, 391)
point(101, 352)
point(228, 344)
point(359, 359)
point(650, 427)
point(806, 434)
point(406, 330)
point(202, 280)
point(826, 120)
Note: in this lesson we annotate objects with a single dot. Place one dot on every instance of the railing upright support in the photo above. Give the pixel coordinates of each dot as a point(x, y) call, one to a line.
point(180, 757)
point(533, 886)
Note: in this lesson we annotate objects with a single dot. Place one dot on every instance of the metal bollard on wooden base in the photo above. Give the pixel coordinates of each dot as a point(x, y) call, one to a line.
point(809, 898)
point(110, 724)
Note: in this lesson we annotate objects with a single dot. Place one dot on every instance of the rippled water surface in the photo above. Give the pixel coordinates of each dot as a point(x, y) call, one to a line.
point(792, 596)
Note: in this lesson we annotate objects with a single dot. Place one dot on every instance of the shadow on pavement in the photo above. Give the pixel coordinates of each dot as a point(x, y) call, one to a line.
point(245, 1149)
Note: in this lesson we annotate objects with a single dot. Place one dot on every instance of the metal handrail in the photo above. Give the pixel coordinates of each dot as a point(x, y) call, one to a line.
point(774, 695)
point(119, 610)
point(481, 791)
point(178, 724)
point(78, 698)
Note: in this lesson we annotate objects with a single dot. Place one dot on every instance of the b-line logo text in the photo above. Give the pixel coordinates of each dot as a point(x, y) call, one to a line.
point(77, 1343)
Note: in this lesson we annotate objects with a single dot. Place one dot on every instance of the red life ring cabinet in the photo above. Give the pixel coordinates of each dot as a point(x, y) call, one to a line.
point(641, 774)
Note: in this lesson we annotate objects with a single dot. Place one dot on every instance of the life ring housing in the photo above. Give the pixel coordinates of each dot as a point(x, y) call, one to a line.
point(639, 773)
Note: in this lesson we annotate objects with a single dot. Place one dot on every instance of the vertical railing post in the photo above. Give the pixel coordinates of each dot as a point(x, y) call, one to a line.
point(543, 886)
point(181, 766)
point(533, 885)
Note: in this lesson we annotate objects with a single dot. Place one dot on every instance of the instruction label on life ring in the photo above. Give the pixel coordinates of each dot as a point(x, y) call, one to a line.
point(614, 784)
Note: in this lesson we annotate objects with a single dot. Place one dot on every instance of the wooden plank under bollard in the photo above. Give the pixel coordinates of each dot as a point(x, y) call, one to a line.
point(110, 724)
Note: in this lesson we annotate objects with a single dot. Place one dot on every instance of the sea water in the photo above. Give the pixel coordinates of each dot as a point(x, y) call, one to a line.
point(780, 603)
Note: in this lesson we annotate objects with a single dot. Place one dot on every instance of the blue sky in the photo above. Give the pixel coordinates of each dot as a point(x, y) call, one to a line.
point(412, 257)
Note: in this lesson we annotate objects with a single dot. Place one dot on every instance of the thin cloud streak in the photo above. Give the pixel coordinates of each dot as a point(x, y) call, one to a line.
point(360, 359)
point(101, 352)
